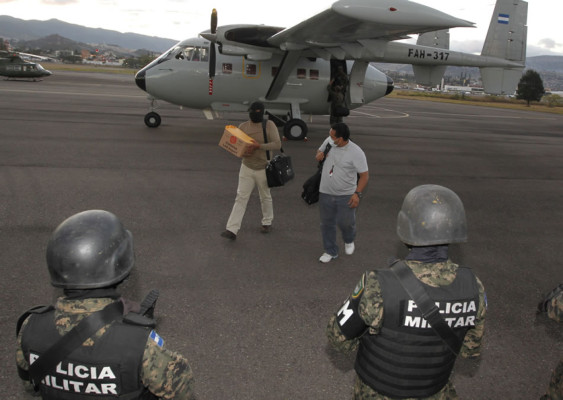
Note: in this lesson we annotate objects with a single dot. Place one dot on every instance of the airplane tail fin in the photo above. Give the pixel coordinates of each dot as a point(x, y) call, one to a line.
point(506, 39)
point(431, 75)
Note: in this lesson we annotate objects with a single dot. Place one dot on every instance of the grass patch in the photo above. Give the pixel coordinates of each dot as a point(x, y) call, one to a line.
point(485, 101)
point(107, 69)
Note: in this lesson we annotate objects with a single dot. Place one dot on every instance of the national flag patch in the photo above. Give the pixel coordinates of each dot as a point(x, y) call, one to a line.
point(503, 19)
point(157, 339)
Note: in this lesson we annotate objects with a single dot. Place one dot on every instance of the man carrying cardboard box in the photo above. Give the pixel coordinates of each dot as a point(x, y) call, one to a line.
point(252, 172)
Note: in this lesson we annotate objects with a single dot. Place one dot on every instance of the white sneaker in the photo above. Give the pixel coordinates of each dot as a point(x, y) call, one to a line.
point(349, 248)
point(325, 258)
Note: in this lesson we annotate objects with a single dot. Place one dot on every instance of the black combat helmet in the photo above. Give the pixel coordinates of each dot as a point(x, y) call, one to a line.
point(90, 250)
point(431, 215)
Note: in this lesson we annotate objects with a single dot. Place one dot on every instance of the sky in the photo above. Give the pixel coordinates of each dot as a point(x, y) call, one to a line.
point(182, 19)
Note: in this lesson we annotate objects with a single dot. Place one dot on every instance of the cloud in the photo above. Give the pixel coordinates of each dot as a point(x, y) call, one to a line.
point(548, 43)
point(533, 51)
point(58, 2)
point(546, 46)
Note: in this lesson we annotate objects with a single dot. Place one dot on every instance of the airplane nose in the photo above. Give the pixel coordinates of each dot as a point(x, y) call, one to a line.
point(140, 79)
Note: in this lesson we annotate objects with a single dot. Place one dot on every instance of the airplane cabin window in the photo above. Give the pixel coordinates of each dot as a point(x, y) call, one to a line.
point(227, 68)
point(314, 74)
point(251, 69)
point(301, 73)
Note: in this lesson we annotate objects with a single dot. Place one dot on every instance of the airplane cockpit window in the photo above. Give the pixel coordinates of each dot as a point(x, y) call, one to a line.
point(187, 53)
point(165, 57)
point(191, 53)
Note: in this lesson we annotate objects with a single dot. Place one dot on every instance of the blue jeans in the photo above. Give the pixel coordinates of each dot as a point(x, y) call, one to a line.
point(334, 210)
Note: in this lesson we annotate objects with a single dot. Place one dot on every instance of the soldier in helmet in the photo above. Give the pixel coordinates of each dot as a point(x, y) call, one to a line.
point(93, 343)
point(552, 305)
point(408, 323)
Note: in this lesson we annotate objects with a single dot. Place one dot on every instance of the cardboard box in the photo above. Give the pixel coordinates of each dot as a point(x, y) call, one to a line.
point(235, 141)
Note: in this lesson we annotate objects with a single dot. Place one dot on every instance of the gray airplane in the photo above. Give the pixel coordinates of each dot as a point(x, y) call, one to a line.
point(289, 69)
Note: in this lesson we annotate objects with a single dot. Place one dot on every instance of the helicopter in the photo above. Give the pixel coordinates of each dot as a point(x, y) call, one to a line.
point(12, 66)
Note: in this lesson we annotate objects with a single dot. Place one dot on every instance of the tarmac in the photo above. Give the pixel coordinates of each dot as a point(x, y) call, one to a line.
point(250, 315)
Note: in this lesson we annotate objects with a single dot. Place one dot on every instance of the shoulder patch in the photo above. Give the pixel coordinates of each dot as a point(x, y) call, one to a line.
point(157, 339)
point(359, 287)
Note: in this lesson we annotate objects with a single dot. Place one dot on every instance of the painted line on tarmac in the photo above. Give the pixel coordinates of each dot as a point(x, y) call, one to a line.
point(377, 114)
point(72, 93)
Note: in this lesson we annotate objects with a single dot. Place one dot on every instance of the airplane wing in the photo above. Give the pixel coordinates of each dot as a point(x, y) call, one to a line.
point(351, 21)
point(336, 32)
point(347, 30)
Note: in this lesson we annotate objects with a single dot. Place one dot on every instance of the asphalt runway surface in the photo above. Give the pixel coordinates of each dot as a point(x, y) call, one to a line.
point(250, 315)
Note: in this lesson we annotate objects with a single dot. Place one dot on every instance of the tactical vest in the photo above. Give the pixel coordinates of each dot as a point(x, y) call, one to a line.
point(408, 359)
point(109, 369)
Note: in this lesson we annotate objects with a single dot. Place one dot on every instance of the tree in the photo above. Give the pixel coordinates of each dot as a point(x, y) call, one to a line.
point(530, 87)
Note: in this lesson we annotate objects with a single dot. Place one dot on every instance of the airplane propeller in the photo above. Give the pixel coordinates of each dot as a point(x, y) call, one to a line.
point(213, 50)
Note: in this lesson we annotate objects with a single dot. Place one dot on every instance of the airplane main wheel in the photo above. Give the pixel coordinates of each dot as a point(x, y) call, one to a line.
point(295, 129)
point(152, 120)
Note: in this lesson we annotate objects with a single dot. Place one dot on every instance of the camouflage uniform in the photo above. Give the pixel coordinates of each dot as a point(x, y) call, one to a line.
point(371, 311)
point(166, 374)
point(554, 308)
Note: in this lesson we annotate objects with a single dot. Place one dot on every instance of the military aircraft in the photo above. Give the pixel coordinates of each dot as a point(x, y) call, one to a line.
point(13, 66)
point(289, 69)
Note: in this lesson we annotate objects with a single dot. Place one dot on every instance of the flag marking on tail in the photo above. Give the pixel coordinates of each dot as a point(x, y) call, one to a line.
point(503, 19)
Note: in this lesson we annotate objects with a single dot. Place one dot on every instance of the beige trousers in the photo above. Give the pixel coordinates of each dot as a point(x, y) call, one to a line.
point(247, 179)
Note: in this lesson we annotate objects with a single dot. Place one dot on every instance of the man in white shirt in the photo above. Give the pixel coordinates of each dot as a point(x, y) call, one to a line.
point(344, 178)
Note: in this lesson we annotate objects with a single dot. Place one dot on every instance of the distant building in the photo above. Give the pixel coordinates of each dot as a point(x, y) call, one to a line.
point(464, 89)
point(5, 45)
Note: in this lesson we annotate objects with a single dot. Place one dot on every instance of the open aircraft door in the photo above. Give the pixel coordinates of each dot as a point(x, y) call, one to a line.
point(356, 77)
point(356, 86)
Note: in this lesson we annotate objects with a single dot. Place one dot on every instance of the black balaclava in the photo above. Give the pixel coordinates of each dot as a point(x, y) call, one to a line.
point(428, 254)
point(256, 112)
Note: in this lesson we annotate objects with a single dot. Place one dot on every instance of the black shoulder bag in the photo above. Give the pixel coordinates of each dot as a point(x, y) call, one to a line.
point(426, 305)
point(311, 186)
point(279, 170)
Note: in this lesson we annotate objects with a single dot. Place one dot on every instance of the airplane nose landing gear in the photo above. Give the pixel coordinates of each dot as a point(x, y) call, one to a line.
point(152, 119)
